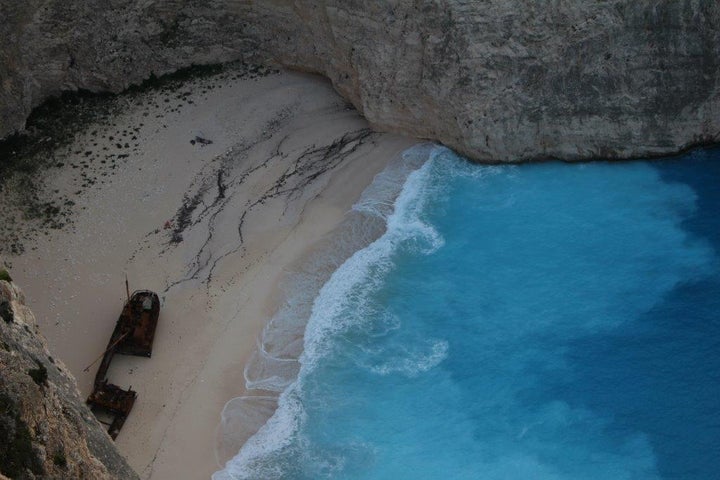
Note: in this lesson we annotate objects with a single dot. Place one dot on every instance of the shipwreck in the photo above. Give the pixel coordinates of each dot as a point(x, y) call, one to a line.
point(133, 335)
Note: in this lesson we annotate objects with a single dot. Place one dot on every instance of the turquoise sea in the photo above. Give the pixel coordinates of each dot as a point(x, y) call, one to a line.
point(543, 321)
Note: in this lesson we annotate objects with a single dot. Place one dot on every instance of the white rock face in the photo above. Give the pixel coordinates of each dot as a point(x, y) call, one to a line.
point(517, 80)
point(498, 80)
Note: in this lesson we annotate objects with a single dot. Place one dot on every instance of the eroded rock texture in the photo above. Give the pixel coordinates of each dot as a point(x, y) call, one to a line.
point(512, 80)
point(46, 431)
point(501, 80)
point(48, 46)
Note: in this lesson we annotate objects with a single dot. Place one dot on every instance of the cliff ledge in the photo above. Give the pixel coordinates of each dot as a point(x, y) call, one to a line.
point(497, 80)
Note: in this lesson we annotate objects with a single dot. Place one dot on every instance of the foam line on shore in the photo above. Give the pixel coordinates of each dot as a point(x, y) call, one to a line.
point(391, 206)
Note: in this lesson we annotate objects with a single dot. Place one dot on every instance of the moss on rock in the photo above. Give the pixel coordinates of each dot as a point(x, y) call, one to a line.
point(4, 275)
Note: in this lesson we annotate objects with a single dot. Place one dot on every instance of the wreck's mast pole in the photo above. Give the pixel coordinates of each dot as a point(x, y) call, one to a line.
point(112, 345)
point(127, 287)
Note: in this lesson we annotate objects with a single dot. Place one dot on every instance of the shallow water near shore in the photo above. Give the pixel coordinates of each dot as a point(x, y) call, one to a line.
point(547, 321)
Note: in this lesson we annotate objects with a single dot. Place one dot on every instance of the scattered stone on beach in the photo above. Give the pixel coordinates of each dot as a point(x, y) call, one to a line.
point(202, 141)
point(72, 134)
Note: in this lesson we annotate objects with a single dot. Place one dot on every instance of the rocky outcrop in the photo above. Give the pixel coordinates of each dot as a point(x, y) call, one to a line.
point(517, 80)
point(50, 46)
point(497, 80)
point(46, 431)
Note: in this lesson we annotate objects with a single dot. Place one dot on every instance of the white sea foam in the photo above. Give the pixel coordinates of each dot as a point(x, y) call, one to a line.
point(385, 323)
point(350, 284)
point(277, 432)
point(275, 363)
point(240, 419)
point(411, 362)
point(345, 291)
point(265, 372)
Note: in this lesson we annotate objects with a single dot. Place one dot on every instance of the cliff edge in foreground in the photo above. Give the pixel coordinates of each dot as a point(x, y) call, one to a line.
point(498, 80)
point(46, 431)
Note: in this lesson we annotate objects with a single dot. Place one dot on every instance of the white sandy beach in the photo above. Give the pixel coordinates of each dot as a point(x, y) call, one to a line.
point(287, 160)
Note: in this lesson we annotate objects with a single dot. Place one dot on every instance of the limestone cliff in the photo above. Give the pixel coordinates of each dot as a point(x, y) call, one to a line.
point(46, 431)
point(500, 80)
point(514, 80)
point(49, 46)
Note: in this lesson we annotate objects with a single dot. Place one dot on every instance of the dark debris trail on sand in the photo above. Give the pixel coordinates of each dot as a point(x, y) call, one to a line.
point(217, 188)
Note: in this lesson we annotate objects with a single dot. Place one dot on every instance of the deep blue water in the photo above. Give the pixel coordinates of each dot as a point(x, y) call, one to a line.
point(548, 321)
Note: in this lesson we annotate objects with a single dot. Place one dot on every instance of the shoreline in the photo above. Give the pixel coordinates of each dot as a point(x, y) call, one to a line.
point(288, 160)
point(274, 366)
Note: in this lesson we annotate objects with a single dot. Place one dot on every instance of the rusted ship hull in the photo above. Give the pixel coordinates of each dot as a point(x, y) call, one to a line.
point(114, 401)
point(138, 322)
point(133, 335)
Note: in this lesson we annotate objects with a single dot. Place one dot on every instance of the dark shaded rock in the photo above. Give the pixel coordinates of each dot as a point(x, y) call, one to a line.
point(39, 374)
point(6, 312)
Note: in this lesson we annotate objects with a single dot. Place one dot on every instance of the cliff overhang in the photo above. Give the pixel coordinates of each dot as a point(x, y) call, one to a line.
point(498, 80)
